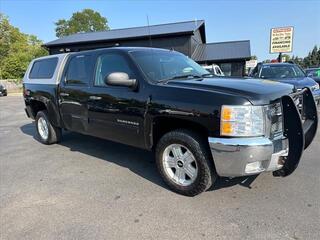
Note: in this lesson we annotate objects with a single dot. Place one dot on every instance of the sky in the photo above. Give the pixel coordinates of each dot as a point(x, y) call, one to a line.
point(227, 20)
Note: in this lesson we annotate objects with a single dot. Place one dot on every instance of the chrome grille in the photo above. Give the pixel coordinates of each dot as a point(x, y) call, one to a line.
point(275, 120)
point(298, 101)
point(297, 98)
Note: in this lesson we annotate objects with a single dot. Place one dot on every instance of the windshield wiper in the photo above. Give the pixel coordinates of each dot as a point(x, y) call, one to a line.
point(186, 76)
point(207, 75)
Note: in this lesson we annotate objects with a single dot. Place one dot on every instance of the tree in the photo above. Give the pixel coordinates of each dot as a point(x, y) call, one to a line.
point(286, 56)
point(311, 60)
point(16, 50)
point(85, 21)
point(314, 58)
point(253, 57)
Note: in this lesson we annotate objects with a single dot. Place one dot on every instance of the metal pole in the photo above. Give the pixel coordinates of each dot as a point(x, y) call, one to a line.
point(280, 58)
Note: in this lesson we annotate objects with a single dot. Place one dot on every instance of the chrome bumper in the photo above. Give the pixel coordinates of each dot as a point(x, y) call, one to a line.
point(235, 157)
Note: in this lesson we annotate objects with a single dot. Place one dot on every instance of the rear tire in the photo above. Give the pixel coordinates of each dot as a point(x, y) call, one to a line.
point(181, 176)
point(47, 133)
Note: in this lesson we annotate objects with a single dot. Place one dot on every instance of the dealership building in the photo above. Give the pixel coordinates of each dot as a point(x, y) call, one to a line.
point(186, 37)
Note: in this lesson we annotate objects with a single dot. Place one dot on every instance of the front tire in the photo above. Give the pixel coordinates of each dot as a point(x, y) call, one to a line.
point(47, 133)
point(184, 161)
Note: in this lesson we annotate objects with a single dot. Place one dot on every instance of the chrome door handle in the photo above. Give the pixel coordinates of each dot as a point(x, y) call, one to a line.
point(64, 94)
point(94, 98)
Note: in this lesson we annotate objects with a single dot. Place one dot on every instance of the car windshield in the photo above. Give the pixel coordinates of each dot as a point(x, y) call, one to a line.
point(281, 71)
point(160, 65)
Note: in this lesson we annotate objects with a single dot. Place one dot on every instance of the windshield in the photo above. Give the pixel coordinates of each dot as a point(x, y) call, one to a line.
point(161, 65)
point(281, 71)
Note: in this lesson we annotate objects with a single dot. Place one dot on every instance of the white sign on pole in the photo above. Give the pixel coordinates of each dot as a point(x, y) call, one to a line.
point(251, 63)
point(281, 39)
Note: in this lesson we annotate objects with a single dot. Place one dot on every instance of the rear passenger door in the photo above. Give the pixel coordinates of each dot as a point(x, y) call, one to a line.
point(74, 92)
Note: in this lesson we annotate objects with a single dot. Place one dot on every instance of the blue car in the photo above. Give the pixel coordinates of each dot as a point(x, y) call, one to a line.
point(287, 73)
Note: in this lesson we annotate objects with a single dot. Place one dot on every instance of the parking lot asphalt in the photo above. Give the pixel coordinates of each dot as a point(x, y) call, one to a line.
point(88, 188)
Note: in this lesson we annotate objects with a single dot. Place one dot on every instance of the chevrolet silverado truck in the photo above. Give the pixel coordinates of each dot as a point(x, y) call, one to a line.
point(199, 127)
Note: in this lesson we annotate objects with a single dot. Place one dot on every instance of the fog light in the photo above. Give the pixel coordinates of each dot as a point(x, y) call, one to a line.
point(253, 167)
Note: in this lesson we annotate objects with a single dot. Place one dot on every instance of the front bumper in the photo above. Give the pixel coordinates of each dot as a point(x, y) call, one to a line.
point(246, 156)
point(234, 157)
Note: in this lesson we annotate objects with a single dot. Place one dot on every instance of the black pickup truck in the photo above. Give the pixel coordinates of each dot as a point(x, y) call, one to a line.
point(199, 127)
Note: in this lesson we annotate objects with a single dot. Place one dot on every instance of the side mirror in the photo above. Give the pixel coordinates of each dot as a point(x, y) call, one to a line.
point(120, 79)
point(310, 75)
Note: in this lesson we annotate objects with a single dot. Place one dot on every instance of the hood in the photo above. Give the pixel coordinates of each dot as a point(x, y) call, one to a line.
point(257, 91)
point(297, 82)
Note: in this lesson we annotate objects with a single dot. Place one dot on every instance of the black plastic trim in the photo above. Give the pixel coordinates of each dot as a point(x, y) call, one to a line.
point(300, 135)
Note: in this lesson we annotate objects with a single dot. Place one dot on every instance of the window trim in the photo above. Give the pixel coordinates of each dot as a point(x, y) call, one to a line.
point(40, 60)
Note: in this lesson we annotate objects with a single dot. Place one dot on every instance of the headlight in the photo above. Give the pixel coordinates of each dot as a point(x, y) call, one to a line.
point(315, 87)
point(242, 121)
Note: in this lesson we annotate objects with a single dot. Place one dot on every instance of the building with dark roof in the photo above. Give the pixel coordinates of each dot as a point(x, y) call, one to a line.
point(186, 37)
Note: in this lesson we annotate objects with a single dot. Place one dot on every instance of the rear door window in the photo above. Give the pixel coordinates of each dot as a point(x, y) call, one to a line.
point(79, 70)
point(44, 68)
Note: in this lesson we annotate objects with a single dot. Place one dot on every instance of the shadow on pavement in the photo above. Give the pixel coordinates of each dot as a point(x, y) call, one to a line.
point(139, 161)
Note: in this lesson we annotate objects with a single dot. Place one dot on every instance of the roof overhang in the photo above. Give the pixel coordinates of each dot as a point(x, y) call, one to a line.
point(234, 50)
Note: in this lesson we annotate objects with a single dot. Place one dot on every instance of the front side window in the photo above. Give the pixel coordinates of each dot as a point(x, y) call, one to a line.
point(79, 70)
point(281, 71)
point(109, 63)
point(44, 68)
point(160, 65)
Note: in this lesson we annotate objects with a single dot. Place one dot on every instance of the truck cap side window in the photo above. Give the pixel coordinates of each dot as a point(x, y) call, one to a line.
point(79, 69)
point(109, 63)
point(44, 68)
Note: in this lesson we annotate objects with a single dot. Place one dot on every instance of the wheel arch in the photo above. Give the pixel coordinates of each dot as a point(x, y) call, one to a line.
point(163, 125)
point(42, 103)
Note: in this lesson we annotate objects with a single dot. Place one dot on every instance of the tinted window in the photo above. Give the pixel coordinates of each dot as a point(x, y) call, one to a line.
point(79, 69)
point(110, 63)
point(43, 68)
